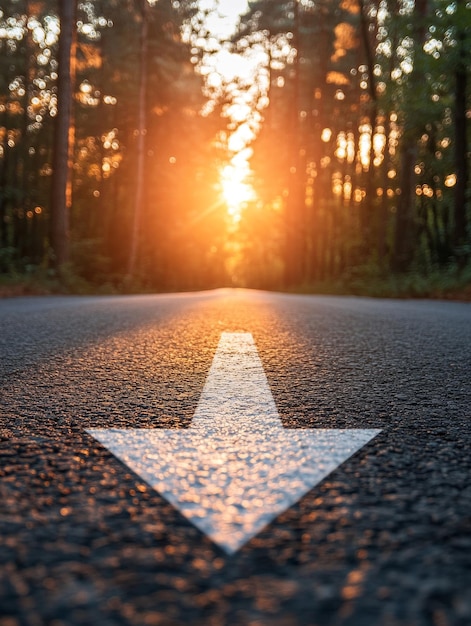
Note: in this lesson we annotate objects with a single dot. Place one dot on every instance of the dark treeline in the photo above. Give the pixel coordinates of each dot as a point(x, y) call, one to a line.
point(360, 163)
point(364, 153)
point(181, 231)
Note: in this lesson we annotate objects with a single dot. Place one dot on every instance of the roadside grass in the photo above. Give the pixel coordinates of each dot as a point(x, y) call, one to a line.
point(42, 282)
point(449, 284)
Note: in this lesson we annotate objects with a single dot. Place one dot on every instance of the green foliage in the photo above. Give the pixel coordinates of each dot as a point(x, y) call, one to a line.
point(333, 209)
point(394, 207)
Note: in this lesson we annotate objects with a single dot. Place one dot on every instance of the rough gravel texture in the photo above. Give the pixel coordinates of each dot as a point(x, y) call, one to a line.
point(385, 540)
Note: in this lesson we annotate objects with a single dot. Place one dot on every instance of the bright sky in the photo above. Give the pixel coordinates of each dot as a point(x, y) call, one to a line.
point(222, 21)
point(222, 68)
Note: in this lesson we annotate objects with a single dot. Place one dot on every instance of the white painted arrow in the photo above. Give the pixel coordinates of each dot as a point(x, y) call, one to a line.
point(236, 468)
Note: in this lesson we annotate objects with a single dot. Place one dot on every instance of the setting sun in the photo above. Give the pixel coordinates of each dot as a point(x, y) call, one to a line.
point(235, 190)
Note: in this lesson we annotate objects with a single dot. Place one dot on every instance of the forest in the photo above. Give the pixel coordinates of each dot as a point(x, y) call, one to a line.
point(317, 146)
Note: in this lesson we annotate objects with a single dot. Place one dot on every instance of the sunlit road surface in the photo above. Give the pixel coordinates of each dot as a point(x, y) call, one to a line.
point(384, 539)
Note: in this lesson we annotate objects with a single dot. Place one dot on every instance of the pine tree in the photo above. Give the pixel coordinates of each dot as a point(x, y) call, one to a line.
point(64, 136)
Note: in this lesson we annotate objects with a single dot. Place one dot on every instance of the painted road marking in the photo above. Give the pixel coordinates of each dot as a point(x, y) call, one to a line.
point(236, 468)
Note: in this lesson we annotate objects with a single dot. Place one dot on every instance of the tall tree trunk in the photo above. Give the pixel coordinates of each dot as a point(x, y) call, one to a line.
point(141, 141)
point(461, 161)
point(295, 240)
point(61, 201)
point(404, 236)
point(369, 218)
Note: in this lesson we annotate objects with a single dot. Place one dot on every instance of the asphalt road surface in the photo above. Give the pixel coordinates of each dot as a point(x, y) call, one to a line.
point(383, 540)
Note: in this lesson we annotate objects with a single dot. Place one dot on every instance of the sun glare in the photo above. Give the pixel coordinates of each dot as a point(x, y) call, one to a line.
point(222, 15)
point(236, 191)
point(223, 69)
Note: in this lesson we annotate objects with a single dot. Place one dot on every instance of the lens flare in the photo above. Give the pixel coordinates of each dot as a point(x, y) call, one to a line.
point(236, 191)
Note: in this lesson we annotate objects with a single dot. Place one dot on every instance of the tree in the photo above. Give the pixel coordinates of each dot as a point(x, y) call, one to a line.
point(61, 201)
point(355, 169)
point(141, 138)
point(463, 24)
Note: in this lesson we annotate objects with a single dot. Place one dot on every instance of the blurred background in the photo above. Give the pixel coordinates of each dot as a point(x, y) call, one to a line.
point(306, 145)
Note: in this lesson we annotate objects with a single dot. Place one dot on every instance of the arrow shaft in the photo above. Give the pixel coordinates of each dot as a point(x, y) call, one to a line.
point(236, 397)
